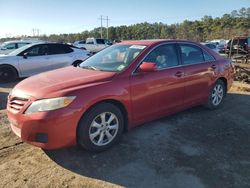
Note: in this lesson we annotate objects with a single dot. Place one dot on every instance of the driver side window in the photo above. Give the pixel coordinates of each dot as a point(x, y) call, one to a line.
point(164, 56)
point(38, 50)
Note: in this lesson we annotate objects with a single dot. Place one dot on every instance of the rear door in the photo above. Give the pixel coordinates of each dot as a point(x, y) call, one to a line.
point(60, 55)
point(159, 92)
point(34, 60)
point(199, 68)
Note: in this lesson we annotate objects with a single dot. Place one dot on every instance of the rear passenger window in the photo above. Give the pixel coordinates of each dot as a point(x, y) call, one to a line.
point(59, 49)
point(207, 56)
point(191, 54)
point(164, 56)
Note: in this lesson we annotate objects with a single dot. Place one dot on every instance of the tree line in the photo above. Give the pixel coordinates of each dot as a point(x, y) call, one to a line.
point(234, 24)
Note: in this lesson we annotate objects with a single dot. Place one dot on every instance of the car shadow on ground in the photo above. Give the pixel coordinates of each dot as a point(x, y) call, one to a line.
point(194, 148)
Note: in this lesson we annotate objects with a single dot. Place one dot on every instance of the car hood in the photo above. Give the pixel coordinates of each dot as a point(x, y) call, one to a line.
point(60, 82)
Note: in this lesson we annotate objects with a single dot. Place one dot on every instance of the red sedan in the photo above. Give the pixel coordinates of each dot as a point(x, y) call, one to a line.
point(115, 90)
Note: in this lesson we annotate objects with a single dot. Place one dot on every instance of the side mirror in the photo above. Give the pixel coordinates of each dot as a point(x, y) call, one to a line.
point(25, 55)
point(147, 67)
point(3, 48)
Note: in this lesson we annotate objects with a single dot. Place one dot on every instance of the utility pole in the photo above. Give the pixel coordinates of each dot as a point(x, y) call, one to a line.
point(107, 23)
point(107, 19)
point(33, 30)
point(101, 24)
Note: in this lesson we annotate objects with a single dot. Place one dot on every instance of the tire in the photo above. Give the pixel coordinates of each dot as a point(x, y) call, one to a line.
point(216, 95)
point(95, 132)
point(7, 73)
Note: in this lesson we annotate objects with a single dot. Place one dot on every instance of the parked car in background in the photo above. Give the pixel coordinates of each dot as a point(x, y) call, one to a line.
point(10, 46)
point(218, 41)
point(80, 44)
point(119, 88)
point(39, 57)
point(212, 46)
point(240, 45)
point(93, 45)
point(221, 48)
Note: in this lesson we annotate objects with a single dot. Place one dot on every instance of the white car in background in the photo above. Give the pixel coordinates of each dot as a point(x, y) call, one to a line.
point(212, 46)
point(80, 44)
point(93, 45)
point(10, 46)
point(39, 57)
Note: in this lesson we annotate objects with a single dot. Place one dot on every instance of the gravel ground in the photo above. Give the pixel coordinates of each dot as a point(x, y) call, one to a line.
point(196, 148)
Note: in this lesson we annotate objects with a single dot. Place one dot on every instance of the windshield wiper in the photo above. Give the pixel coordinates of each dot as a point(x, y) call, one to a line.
point(90, 67)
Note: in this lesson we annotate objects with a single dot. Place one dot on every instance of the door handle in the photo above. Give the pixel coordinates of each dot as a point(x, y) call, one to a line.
point(179, 74)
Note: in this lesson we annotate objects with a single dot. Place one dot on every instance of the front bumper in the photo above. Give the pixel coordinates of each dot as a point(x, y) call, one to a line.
point(48, 130)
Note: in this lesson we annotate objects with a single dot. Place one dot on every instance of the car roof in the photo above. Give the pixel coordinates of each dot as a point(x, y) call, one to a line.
point(36, 43)
point(153, 41)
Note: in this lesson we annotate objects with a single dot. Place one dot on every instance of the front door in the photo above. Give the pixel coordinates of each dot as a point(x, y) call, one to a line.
point(34, 60)
point(160, 92)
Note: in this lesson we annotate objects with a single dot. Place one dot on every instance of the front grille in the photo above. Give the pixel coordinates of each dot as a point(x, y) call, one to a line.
point(17, 103)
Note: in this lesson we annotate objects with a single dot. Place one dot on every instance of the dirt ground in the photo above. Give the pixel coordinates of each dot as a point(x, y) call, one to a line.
point(196, 148)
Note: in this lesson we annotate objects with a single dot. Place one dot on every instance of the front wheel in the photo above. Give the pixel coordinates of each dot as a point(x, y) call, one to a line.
point(100, 127)
point(216, 94)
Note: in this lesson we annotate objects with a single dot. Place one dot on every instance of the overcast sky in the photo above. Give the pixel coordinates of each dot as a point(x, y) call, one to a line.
point(19, 17)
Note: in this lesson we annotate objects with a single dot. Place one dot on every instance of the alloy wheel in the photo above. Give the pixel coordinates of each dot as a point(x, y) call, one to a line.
point(217, 94)
point(103, 128)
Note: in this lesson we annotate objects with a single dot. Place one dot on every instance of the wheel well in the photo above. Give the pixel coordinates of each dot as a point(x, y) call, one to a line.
point(117, 104)
point(224, 81)
point(14, 68)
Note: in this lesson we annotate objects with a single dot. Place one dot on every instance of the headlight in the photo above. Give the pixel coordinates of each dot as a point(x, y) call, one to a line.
point(49, 104)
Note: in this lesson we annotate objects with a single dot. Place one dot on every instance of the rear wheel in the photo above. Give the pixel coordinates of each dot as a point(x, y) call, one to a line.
point(216, 94)
point(7, 73)
point(100, 127)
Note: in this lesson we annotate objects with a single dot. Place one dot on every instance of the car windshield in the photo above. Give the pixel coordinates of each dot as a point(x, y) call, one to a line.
point(114, 58)
point(19, 50)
